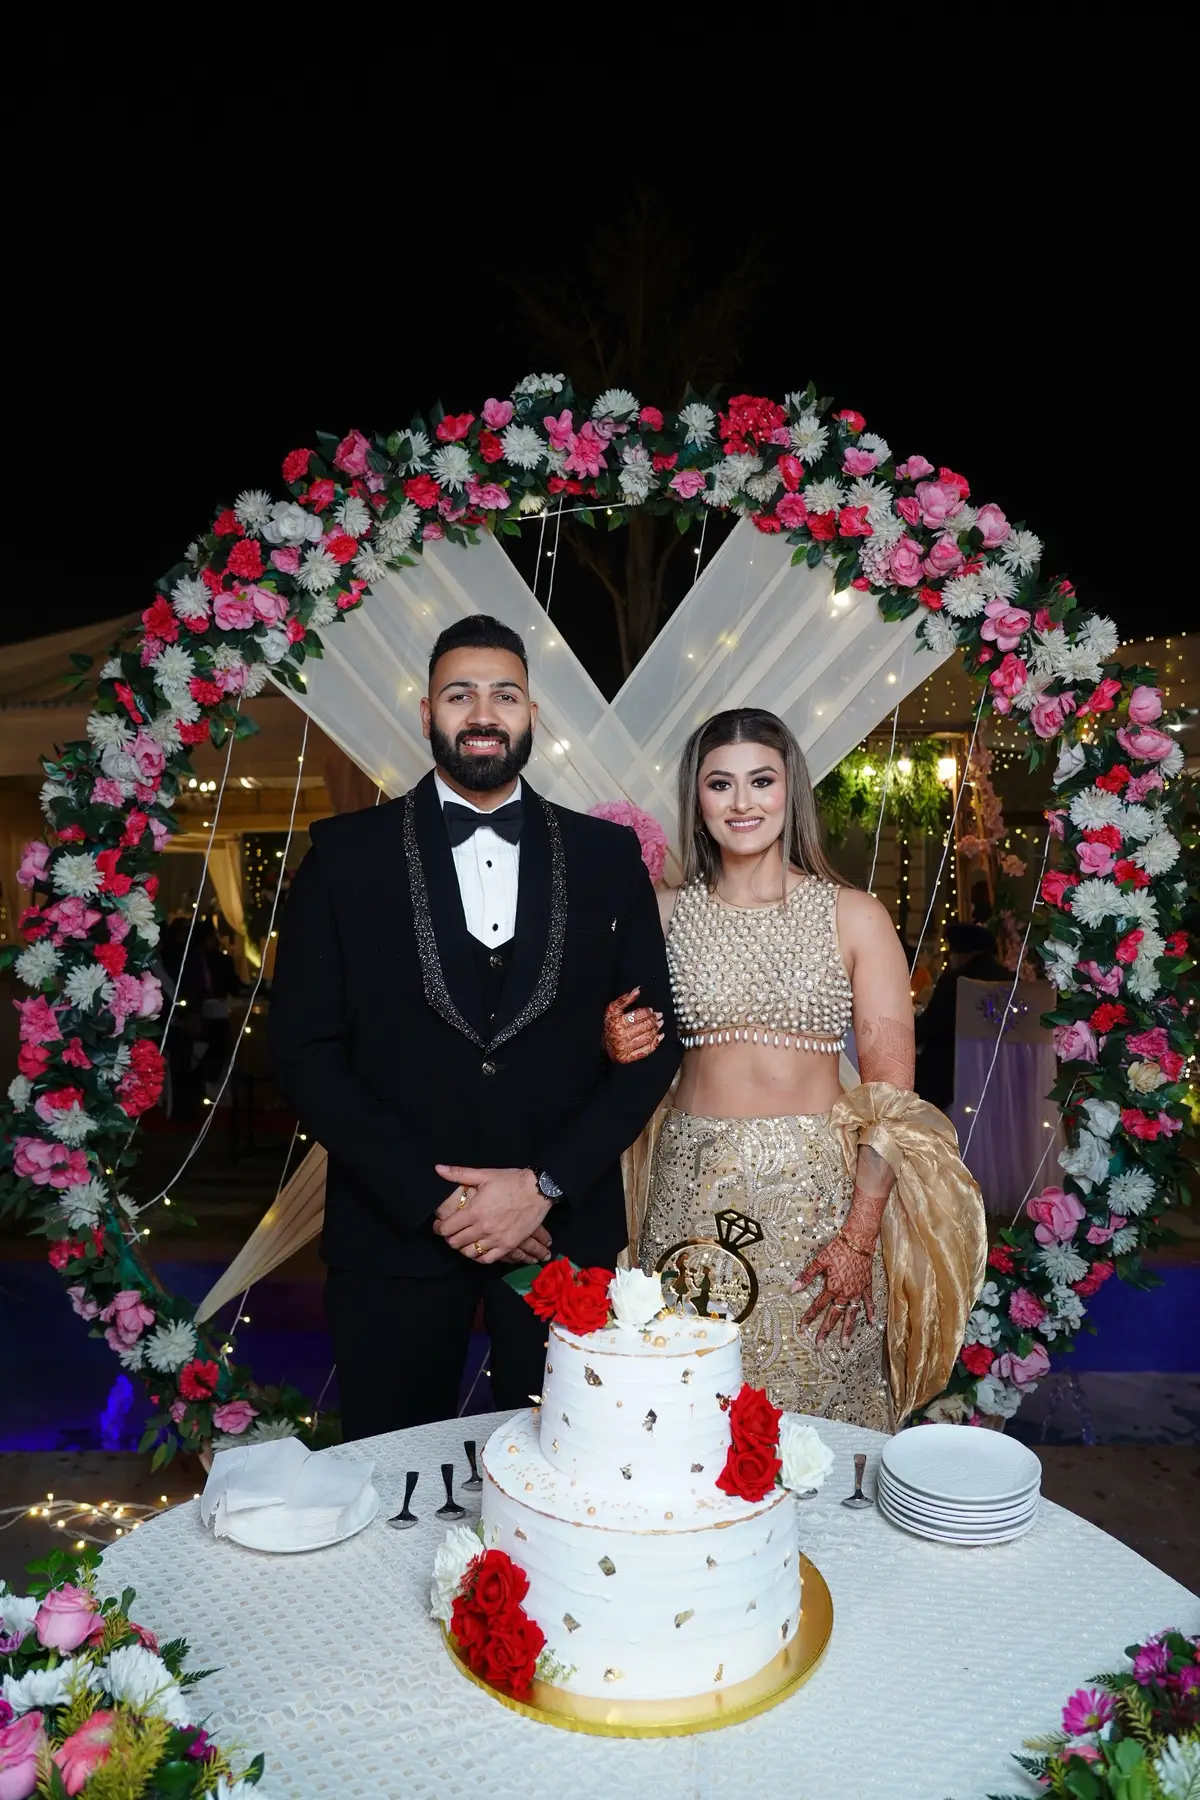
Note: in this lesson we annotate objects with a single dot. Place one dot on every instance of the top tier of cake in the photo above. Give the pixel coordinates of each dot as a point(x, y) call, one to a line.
point(640, 1412)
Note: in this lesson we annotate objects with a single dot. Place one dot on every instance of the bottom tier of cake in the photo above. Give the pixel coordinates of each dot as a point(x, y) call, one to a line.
point(643, 1601)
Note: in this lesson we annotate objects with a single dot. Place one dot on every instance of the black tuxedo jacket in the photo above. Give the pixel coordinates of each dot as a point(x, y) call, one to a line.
point(380, 1041)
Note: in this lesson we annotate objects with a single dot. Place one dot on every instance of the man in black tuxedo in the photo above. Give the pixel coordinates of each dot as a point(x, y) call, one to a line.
point(437, 1022)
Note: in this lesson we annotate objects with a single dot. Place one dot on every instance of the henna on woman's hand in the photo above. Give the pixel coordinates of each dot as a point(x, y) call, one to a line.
point(887, 1051)
point(847, 1273)
point(631, 1036)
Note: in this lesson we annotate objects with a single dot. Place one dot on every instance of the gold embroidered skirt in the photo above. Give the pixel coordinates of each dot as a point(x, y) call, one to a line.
point(789, 1176)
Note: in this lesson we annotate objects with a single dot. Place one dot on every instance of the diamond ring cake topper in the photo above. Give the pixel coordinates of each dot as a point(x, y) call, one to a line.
point(712, 1276)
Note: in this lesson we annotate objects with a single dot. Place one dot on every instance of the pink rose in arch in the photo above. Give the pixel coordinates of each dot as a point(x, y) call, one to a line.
point(65, 1618)
point(71, 918)
point(939, 503)
point(1054, 819)
point(1008, 678)
point(34, 858)
point(1095, 859)
point(1021, 1370)
point(1141, 785)
point(859, 462)
point(905, 563)
point(351, 454)
point(791, 511)
point(21, 1743)
point(1025, 1309)
point(39, 1021)
point(1056, 1214)
point(909, 508)
point(560, 430)
point(49, 1165)
point(1105, 981)
point(1075, 1042)
point(687, 483)
point(287, 560)
point(915, 469)
point(432, 532)
point(1145, 705)
point(234, 1417)
point(85, 1308)
point(126, 1316)
point(149, 757)
point(497, 414)
point(177, 1409)
point(1148, 1043)
point(1004, 625)
point(234, 612)
point(1100, 1234)
point(1144, 743)
point(993, 524)
point(944, 558)
point(268, 605)
point(1049, 715)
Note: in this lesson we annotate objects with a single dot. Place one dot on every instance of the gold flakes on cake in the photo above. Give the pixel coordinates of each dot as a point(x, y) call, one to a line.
point(627, 1471)
point(686, 1376)
point(783, 1630)
point(650, 1420)
point(607, 1566)
point(683, 1617)
point(753, 1606)
point(519, 1533)
point(529, 1487)
point(787, 1559)
point(620, 1403)
point(614, 1674)
point(512, 1449)
point(697, 1468)
point(591, 1511)
point(710, 1562)
point(659, 1342)
point(565, 1419)
point(591, 1377)
point(570, 1623)
point(549, 1368)
point(720, 1674)
point(668, 1515)
point(554, 1444)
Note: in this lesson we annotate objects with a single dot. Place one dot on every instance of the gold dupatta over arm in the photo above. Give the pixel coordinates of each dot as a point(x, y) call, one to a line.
point(934, 1235)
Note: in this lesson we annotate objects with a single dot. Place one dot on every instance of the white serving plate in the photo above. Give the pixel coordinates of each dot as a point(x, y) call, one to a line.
point(960, 1526)
point(961, 1463)
point(949, 1511)
point(250, 1540)
point(942, 1537)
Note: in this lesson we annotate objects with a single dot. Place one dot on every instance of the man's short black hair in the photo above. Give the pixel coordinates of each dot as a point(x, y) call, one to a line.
point(478, 632)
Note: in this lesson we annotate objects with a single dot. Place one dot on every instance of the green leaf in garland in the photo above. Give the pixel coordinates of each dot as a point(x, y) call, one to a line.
point(521, 1280)
point(813, 555)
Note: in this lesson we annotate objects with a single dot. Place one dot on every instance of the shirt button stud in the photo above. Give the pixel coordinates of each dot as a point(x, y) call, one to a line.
point(489, 1068)
point(496, 960)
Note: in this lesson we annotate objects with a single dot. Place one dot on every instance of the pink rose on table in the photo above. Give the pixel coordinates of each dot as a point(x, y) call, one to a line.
point(234, 612)
point(126, 1316)
point(859, 462)
point(905, 563)
point(498, 413)
point(1095, 859)
point(1144, 743)
point(351, 454)
point(34, 858)
point(80, 1755)
point(65, 1617)
point(791, 511)
point(687, 483)
point(1021, 1370)
point(944, 558)
point(939, 502)
point(20, 1743)
point(1025, 1309)
point(909, 508)
point(1056, 1214)
point(915, 469)
point(1004, 625)
point(234, 1417)
point(1145, 705)
point(1049, 715)
point(993, 524)
point(1076, 1042)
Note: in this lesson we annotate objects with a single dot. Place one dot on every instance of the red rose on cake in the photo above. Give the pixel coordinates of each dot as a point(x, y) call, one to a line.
point(470, 1628)
point(548, 1286)
point(510, 1654)
point(498, 1585)
point(753, 1421)
point(753, 1461)
point(575, 1298)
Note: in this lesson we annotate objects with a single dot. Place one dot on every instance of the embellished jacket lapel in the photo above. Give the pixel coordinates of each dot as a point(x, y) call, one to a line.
point(533, 971)
point(443, 941)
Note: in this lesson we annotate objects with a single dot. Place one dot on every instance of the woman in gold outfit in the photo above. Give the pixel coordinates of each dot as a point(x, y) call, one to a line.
point(872, 1237)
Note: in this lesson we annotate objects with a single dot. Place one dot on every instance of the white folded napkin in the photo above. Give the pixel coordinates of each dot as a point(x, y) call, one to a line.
point(280, 1496)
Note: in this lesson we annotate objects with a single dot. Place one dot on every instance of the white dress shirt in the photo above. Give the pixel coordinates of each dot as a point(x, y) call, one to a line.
point(488, 867)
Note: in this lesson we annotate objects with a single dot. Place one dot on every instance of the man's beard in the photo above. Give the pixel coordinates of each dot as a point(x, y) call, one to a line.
point(481, 774)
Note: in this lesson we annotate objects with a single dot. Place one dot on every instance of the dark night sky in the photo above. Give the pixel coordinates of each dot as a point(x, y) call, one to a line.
point(997, 319)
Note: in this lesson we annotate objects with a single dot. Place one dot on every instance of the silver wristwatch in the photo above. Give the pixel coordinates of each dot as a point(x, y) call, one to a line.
point(547, 1186)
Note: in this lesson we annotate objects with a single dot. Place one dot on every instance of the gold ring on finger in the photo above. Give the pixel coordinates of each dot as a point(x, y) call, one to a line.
point(478, 1247)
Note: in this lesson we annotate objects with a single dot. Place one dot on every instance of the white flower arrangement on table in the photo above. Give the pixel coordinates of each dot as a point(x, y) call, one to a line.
point(253, 595)
point(91, 1703)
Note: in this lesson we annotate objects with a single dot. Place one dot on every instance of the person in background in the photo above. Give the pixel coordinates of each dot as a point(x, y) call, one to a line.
point(973, 954)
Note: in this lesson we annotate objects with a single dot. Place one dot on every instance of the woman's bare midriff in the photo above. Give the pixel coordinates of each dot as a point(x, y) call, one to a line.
point(755, 1081)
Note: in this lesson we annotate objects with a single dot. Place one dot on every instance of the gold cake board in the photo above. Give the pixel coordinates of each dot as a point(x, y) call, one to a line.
point(701, 1712)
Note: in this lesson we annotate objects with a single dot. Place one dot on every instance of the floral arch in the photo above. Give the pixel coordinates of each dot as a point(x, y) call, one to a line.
point(252, 599)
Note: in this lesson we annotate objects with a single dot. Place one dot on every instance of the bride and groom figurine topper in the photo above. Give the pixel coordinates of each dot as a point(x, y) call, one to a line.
point(714, 1271)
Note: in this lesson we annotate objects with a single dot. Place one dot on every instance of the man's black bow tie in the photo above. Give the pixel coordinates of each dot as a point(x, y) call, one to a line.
point(463, 821)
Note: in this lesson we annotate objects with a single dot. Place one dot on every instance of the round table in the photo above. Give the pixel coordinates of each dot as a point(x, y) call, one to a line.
point(942, 1659)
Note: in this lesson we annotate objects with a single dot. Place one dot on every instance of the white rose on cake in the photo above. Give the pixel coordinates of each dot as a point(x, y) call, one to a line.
point(635, 1298)
point(806, 1457)
point(459, 1548)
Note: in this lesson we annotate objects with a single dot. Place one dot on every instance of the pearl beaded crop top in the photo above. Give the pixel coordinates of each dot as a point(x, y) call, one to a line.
point(763, 974)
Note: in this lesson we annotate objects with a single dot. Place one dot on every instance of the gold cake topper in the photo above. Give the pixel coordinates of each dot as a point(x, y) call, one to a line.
point(715, 1271)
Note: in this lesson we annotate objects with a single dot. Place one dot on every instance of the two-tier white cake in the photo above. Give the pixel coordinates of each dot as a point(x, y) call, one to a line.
point(648, 1581)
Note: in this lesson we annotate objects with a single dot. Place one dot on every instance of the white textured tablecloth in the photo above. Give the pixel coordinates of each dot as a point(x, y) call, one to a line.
point(942, 1659)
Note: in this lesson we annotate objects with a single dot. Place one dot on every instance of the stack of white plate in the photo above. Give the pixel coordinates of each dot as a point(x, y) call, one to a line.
point(959, 1484)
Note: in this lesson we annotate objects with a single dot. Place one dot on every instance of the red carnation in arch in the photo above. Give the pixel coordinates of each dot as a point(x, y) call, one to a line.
point(1115, 779)
point(750, 421)
point(245, 560)
point(1125, 870)
point(1095, 1278)
point(160, 621)
point(206, 693)
point(852, 420)
point(295, 465)
point(491, 447)
point(976, 1357)
point(112, 957)
point(767, 522)
point(198, 1380)
point(422, 490)
point(342, 547)
point(227, 524)
point(194, 733)
point(822, 527)
point(1110, 1013)
point(1176, 944)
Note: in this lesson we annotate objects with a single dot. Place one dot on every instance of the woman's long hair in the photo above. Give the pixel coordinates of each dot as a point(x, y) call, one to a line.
point(800, 843)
